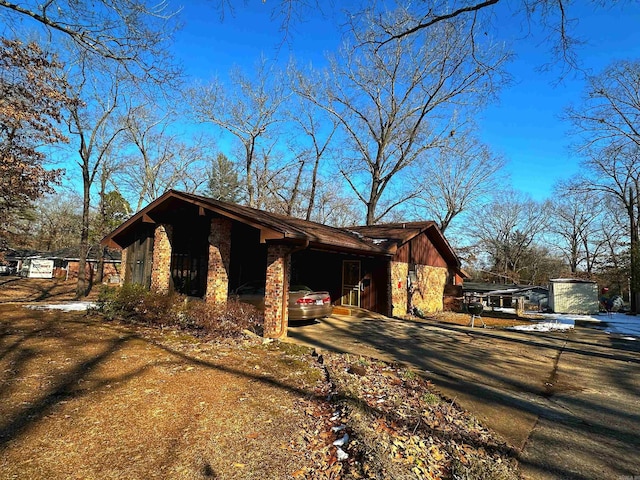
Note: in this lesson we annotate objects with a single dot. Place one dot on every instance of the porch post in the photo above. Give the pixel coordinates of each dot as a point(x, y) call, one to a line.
point(123, 266)
point(219, 261)
point(276, 298)
point(161, 265)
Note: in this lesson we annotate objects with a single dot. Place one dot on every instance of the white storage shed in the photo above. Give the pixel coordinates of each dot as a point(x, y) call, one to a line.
point(572, 295)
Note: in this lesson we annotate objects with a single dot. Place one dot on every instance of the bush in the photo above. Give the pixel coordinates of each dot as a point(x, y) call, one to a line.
point(133, 303)
point(163, 310)
point(121, 302)
point(227, 320)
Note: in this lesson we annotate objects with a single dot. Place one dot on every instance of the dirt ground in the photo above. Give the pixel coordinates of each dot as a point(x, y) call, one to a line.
point(18, 289)
point(89, 400)
point(85, 398)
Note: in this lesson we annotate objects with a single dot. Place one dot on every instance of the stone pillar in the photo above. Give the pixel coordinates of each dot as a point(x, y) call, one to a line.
point(399, 293)
point(428, 295)
point(219, 260)
point(161, 266)
point(276, 298)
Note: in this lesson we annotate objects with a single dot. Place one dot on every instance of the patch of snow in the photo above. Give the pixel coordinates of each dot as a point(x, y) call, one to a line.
point(501, 309)
point(341, 455)
point(357, 234)
point(66, 307)
point(342, 441)
point(628, 326)
point(542, 327)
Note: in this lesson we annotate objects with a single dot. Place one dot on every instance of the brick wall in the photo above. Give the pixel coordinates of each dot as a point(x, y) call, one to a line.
point(91, 268)
point(123, 269)
point(161, 266)
point(219, 260)
point(399, 297)
point(277, 291)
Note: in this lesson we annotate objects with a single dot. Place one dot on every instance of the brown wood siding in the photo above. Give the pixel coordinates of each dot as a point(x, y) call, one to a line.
point(139, 257)
point(420, 250)
point(375, 290)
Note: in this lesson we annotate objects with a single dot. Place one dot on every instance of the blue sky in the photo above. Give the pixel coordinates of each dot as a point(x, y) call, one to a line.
point(524, 127)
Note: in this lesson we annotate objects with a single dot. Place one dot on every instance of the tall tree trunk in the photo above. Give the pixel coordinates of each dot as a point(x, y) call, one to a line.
point(295, 190)
point(634, 270)
point(312, 194)
point(250, 148)
point(82, 287)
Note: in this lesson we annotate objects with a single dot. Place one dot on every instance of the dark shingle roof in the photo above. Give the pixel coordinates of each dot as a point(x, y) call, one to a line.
point(373, 240)
point(292, 227)
point(390, 235)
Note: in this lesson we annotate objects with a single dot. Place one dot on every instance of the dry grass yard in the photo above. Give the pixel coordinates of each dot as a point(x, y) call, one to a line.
point(85, 398)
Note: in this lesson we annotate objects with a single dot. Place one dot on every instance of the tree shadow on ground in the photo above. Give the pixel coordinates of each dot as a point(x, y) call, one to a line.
point(515, 371)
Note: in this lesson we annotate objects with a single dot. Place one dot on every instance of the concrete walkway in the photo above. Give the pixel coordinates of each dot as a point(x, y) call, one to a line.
point(568, 401)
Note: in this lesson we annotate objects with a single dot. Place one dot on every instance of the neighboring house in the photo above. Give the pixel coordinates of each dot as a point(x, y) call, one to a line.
point(63, 264)
point(206, 248)
point(67, 262)
point(19, 260)
point(503, 295)
point(572, 295)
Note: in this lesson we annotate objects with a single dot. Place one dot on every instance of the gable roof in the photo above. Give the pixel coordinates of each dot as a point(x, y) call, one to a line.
point(391, 235)
point(272, 226)
point(369, 240)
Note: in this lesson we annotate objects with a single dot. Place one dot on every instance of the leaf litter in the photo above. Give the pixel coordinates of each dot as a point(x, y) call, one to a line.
point(164, 404)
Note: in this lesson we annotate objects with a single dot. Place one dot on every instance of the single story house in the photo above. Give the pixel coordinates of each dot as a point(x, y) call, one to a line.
point(63, 264)
point(573, 295)
point(206, 248)
point(67, 263)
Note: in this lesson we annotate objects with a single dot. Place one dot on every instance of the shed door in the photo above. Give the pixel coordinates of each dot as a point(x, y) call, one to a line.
point(351, 283)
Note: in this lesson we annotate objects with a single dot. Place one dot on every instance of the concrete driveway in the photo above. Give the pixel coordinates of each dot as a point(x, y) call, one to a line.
point(568, 401)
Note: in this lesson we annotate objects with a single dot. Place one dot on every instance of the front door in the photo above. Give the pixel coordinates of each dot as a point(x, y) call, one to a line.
point(351, 283)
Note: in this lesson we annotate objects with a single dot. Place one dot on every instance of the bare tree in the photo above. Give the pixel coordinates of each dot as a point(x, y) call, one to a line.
point(614, 260)
point(58, 222)
point(156, 158)
point(93, 125)
point(578, 219)
point(462, 172)
point(247, 108)
point(318, 130)
point(552, 20)
point(607, 128)
point(508, 229)
point(395, 102)
point(132, 33)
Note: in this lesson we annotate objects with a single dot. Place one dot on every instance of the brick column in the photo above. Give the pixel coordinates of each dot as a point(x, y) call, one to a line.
point(123, 267)
point(219, 260)
point(276, 298)
point(161, 266)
